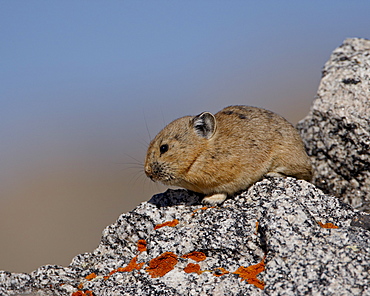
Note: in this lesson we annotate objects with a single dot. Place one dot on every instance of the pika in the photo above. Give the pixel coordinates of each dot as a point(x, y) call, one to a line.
point(219, 155)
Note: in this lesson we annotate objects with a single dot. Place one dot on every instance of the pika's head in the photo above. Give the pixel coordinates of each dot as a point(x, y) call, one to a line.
point(174, 150)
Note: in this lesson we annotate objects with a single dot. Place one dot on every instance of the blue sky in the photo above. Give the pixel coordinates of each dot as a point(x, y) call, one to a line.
point(79, 58)
point(80, 82)
point(67, 66)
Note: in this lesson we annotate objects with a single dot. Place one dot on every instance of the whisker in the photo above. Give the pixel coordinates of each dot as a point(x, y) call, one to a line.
point(133, 158)
point(146, 125)
point(144, 144)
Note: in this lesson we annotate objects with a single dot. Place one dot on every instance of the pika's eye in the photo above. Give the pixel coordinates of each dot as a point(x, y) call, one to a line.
point(163, 148)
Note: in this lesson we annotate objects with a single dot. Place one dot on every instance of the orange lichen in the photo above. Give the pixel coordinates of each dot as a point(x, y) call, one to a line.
point(164, 263)
point(220, 271)
point(130, 267)
point(133, 265)
point(141, 245)
point(202, 208)
point(90, 276)
point(80, 286)
point(191, 267)
point(250, 273)
point(172, 223)
point(106, 277)
point(196, 256)
point(256, 228)
point(327, 225)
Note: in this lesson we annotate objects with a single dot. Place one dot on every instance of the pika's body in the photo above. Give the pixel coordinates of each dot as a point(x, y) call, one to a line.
point(219, 155)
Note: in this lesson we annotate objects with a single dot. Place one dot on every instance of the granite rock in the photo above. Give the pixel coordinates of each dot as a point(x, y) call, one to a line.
point(281, 237)
point(336, 131)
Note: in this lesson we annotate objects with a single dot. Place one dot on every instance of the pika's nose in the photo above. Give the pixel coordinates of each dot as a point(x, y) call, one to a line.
point(148, 171)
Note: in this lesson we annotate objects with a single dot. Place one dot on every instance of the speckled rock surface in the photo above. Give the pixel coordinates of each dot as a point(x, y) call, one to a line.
point(281, 237)
point(337, 129)
point(270, 240)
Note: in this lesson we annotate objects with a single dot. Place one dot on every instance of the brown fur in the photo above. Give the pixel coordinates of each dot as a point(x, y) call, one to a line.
point(247, 143)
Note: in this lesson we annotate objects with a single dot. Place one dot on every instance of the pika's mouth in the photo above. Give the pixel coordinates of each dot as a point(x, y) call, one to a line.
point(151, 176)
point(149, 173)
point(158, 172)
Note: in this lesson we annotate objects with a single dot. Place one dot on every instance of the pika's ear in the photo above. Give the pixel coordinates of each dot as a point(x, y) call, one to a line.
point(204, 124)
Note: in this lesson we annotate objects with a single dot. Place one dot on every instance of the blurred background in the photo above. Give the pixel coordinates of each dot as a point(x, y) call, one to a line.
point(85, 85)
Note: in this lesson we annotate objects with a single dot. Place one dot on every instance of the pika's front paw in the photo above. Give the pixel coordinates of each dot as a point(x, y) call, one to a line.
point(214, 199)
